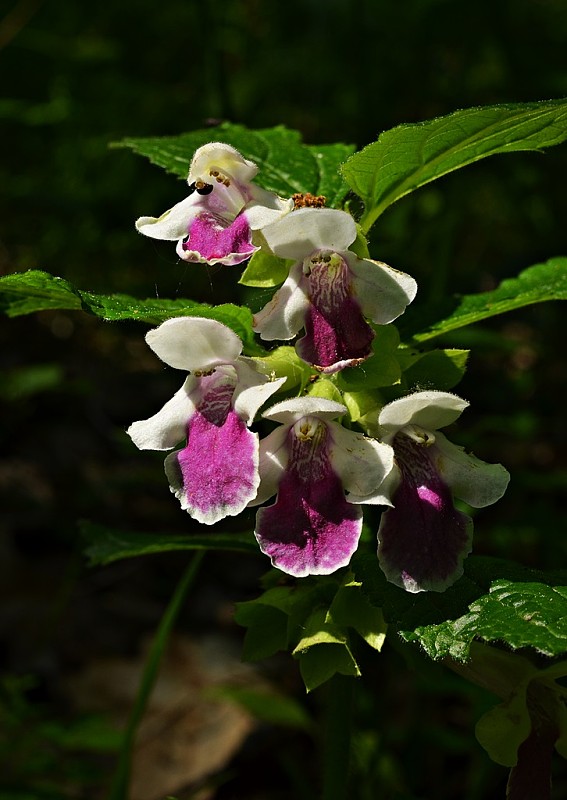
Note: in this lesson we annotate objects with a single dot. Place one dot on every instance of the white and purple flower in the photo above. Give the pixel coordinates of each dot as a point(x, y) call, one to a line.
point(216, 474)
point(310, 461)
point(330, 290)
point(215, 223)
point(423, 539)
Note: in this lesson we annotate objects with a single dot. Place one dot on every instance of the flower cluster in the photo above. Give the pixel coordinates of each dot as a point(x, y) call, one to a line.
point(317, 467)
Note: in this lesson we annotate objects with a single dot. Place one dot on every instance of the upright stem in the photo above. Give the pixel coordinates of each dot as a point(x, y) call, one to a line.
point(121, 777)
point(336, 742)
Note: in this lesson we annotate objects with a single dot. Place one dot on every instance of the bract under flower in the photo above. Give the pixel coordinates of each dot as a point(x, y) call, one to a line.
point(310, 461)
point(423, 539)
point(330, 290)
point(215, 223)
point(216, 474)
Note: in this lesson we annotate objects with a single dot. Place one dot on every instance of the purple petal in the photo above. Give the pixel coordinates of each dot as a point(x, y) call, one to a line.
point(311, 529)
point(211, 239)
point(216, 474)
point(336, 333)
point(423, 540)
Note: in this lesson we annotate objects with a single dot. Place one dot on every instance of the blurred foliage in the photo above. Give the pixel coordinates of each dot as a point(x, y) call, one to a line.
point(342, 70)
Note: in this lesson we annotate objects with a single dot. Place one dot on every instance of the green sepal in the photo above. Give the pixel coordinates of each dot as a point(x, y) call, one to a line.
point(362, 404)
point(284, 362)
point(265, 270)
point(381, 369)
point(436, 369)
point(323, 387)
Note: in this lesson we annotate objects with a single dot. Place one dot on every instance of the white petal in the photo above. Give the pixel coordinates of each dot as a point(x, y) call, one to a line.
point(361, 463)
point(284, 315)
point(477, 483)
point(430, 410)
point(173, 224)
point(272, 464)
point(298, 234)
point(383, 292)
point(169, 426)
point(290, 411)
point(265, 208)
point(192, 343)
point(252, 390)
point(221, 157)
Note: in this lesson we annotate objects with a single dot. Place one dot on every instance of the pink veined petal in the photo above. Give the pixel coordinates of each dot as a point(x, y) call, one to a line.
point(284, 315)
point(423, 540)
point(477, 483)
point(166, 428)
point(224, 158)
point(302, 232)
point(290, 411)
point(382, 292)
point(336, 333)
point(216, 474)
point(430, 410)
point(311, 529)
point(265, 208)
point(361, 463)
point(210, 239)
point(272, 463)
point(252, 389)
point(192, 343)
point(172, 224)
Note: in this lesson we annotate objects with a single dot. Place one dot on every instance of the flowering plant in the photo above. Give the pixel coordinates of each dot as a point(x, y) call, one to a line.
point(362, 505)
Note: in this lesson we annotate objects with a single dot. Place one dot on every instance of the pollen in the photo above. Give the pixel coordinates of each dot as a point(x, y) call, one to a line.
point(308, 200)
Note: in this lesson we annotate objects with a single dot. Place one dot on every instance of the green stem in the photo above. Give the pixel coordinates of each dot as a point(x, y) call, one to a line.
point(336, 747)
point(121, 777)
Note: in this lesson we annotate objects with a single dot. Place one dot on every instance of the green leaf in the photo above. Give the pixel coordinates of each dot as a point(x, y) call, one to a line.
point(286, 164)
point(519, 614)
point(535, 284)
point(34, 290)
point(104, 545)
point(267, 629)
point(319, 664)
point(494, 600)
point(409, 156)
point(533, 700)
point(265, 270)
point(323, 650)
point(437, 369)
point(351, 609)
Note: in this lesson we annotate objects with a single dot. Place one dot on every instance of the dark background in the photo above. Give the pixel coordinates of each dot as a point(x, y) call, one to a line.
point(78, 77)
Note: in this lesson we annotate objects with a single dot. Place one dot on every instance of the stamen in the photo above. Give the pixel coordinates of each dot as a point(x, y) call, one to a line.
point(308, 200)
point(203, 188)
point(419, 435)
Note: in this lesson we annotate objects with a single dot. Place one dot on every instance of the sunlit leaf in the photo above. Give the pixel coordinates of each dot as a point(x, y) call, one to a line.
point(104, 545)
point(519, 614)
point(286, 165)
point(547, 281)
point(409, 156)
point(34, 290)
point(495, 601)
